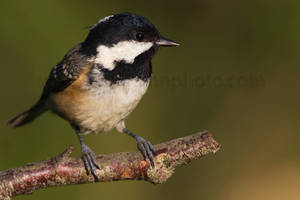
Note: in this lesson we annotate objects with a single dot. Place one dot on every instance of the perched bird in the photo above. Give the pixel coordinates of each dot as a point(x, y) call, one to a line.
point(101, 80)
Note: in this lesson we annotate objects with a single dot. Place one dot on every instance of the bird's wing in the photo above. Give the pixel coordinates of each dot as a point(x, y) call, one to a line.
point(65, 72)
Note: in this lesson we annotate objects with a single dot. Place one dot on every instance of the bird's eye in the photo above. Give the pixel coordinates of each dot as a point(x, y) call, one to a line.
point(139, 36)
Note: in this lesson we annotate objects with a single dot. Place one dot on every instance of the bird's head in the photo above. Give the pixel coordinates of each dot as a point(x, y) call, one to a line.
point(123, 37)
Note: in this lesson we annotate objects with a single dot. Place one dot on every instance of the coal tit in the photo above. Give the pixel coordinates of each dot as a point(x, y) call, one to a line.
point(101, 80)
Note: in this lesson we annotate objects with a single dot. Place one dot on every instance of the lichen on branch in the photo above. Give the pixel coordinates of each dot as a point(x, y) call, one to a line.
point(65, 170)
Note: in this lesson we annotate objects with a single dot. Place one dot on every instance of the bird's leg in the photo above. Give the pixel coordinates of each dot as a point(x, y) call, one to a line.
point(88, 156)
point(145, 147)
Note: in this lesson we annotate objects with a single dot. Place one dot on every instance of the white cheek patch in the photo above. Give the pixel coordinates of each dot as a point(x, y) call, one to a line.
point(125, 51)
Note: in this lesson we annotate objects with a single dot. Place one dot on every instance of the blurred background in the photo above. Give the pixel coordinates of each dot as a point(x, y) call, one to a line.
point(235, 74)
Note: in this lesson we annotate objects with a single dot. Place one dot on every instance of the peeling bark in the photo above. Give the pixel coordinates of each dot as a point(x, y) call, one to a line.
point(64, 170)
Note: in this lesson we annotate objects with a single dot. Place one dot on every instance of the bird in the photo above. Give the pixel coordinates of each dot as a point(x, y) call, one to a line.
point(100, 81)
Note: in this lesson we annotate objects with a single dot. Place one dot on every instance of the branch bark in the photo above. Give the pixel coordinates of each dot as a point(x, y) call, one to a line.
point(64, 170)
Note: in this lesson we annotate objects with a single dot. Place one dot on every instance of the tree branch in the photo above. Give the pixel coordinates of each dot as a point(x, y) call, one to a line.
point(64, 170)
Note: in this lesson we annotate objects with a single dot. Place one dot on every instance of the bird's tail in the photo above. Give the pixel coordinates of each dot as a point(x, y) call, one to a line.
point(28, 115)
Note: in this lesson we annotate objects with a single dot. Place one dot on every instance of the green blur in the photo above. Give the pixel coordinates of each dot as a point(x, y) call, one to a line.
point(236, 74)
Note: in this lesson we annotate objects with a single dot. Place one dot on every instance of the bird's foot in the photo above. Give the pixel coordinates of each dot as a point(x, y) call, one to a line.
point(146, 148)
point(89, 161)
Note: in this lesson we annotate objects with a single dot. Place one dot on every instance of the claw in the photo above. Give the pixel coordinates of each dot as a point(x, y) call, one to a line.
point(146, 148)
point(86, 165)
point(151, 148)
point(89, 161)
point(149, 154)
point(142, 150)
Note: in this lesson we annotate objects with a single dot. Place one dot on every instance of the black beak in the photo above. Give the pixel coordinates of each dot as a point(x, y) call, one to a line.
point(166, 43)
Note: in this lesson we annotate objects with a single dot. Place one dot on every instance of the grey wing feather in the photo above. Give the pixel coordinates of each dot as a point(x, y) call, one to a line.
point(65, 72)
